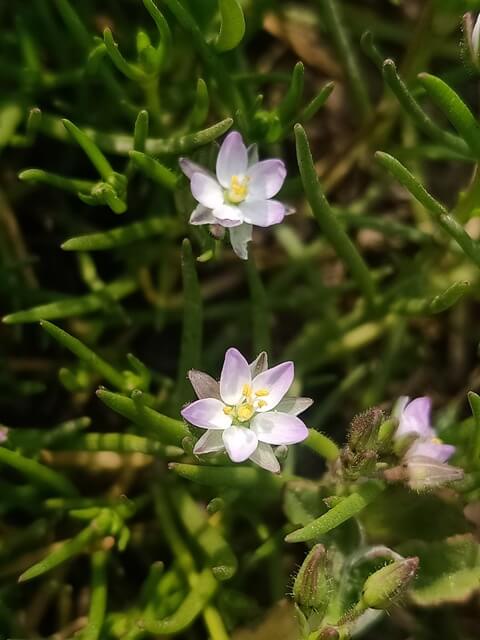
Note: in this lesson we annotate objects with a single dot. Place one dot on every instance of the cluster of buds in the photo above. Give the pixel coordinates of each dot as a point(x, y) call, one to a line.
point(408, 435)
point(313, 583)
point(368, 436)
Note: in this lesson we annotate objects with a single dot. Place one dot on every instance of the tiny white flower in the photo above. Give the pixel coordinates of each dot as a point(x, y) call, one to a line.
point(247, 411)
point(240, 194)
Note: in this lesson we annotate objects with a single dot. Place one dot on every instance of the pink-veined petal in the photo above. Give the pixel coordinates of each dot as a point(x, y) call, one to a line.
point(259, 365)
point(415, 418)
point(207, 413)
point(239, 239)
point(294, 406)
point(262, 213)
point(275, 382)
point(206, 190)
point(202, 215)
point(235, 375)
point(204, 385)
point(227, 224)
point(265, 458)
point(189, 168)
point(210, 441)
point(240, 443)
point(232, 159)
point(228, 212)
point(266, 179)
point(278, 428)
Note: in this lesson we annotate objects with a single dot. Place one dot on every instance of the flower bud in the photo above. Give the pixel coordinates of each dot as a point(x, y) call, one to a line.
point(364, 428)
point(471, 30)
point(388, 583)
point(386, 432)
point(422, 473)
point(310, 589)
point(329, 633)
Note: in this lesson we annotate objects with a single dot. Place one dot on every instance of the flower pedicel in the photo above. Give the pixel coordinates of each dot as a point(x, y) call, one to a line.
point(247, 411)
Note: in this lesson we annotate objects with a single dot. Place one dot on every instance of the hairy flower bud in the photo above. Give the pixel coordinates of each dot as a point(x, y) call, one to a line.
point(310, 589)
point(422, 473)
point(363, 432)
point(388, 583)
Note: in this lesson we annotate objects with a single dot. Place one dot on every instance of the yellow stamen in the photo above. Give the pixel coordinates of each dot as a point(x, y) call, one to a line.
point(261, 403)
point(262, 392)
point(238, 189)
point(245, 412)
point(228, 410)
point(437, 441)
point(247, 390)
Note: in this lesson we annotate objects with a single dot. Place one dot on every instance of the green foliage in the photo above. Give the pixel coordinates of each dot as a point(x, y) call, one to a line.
point(112, 527)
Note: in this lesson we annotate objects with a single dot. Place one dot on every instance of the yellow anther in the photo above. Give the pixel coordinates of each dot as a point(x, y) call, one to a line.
point(245, 412)
point(261, 403)
point(437, 441)
point(262, 392)
point(228, 410)
point(247, 390)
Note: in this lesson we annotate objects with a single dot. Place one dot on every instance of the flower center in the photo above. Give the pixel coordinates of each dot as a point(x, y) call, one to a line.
point(249, 404)
point(238, 190)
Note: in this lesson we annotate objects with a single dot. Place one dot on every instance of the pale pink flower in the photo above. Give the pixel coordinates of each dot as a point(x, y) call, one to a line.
point(414, 420)
point(240, 194)
point(247, 411)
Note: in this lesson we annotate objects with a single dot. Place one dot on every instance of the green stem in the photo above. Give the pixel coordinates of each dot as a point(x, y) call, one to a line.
point(346, 52)
point(327, 221)
point(259, 308)
point(84, 353)
point(98, 597)
point(322, 445)
point(37, 473)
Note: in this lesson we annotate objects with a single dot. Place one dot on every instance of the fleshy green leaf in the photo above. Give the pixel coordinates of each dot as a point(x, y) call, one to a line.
point(232, 28)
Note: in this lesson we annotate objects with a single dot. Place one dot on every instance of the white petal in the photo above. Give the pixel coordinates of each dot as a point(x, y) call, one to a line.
point(294, 406)
point(262, 213)
point(206, 190)
point(207, 413)
point(228, 212)
point(260, 364)
point(204, 385)
point(232, 159)
point(239, 238)
point(276, 381)
point(235, 374)
point(265, 458)
point(476, 36)
point(202, 215)
point(278, 428)
point(210, 441)
point(189, 168)
point(266, 179)
point(239, 442)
